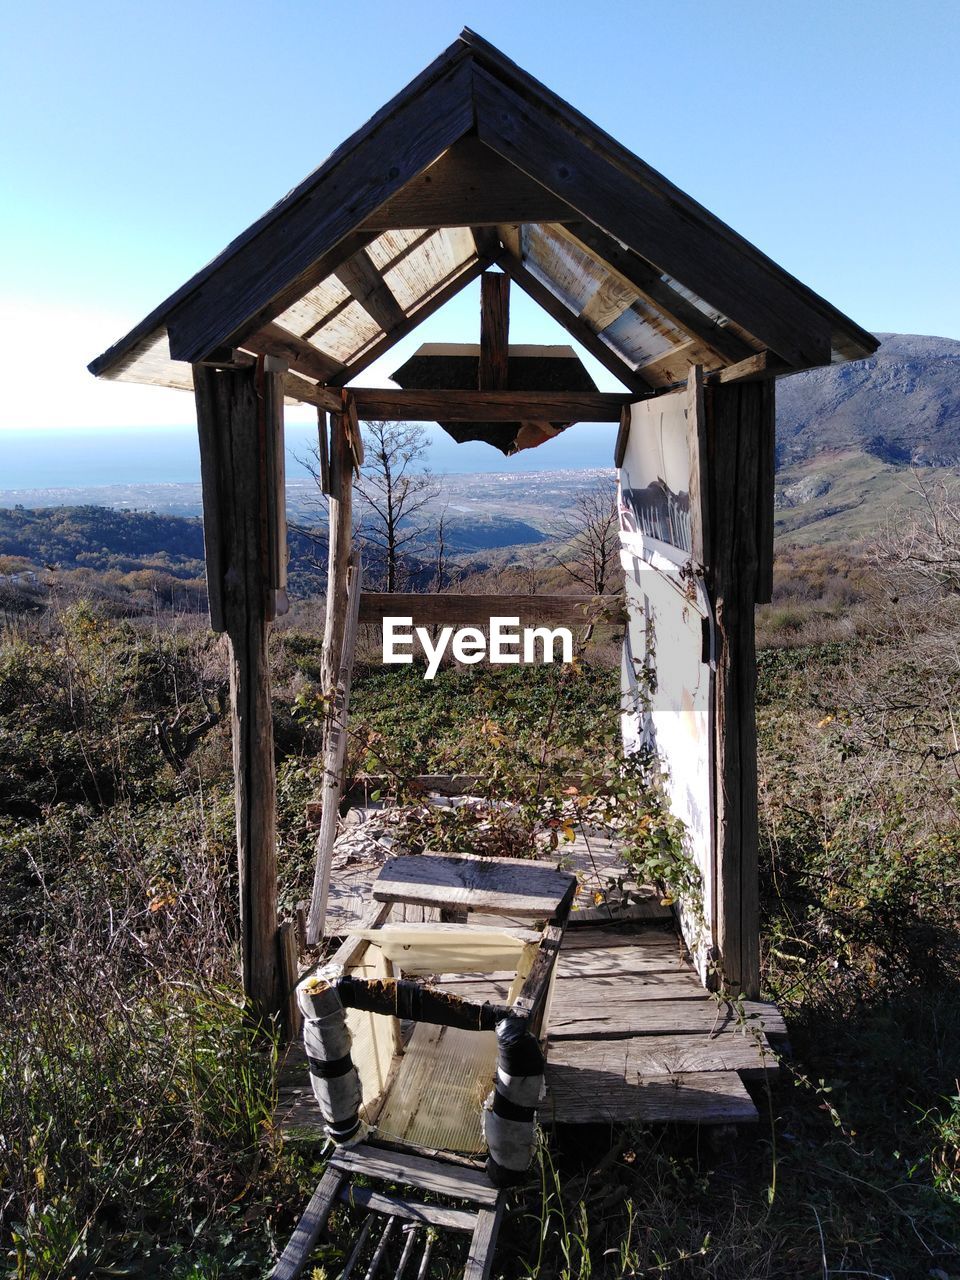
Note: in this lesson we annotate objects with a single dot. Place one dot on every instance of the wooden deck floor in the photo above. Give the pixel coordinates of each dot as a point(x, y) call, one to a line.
point(633, 1035)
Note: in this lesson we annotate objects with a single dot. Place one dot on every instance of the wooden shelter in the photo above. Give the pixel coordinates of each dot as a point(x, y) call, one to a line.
point(477, 170)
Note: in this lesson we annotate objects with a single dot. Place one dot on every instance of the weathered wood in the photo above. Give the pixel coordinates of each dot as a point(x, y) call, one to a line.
point(274, 340)
point(620, 1016)
point(494, 331)
point(297, 388)
point(699, 490)
point(262, 267)
point(514, 887)
point(438, 299)
point(576, 327)
point(665, 1055)
point(334, 754)
point(368, 287)
point(443, 1179)
point(532, 999)
point(238, 410)
point(484, 1242)
point(640, 208)
point(352, 424)
point(323, 453)
point(388, 405)
point(588, 1093)
point(623, 435)
point(735, 415)
point(761, 367)
point(339, 551)
point(289, 973)
point(433, 1215)
point(432, 608)
point(310, 1227)
point(469, 185)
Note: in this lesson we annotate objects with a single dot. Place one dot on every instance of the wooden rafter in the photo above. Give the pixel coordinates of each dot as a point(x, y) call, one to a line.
point(739, 283)
point(274, 340)
point(576, 327)
point(487, 406)
point(369, 288)
point(494, 331)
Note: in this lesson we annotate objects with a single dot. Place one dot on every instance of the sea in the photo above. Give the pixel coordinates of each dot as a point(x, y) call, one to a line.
point(84, 458)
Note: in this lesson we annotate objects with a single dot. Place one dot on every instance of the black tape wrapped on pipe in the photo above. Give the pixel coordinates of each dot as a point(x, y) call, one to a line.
point(399, 998)
point(327, 1041)
point(510, 1112)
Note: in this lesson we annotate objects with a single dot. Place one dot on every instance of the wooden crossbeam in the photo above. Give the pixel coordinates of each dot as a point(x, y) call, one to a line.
point(494, 331)
point(369, 288)
point(487, 406)
point(428, 608)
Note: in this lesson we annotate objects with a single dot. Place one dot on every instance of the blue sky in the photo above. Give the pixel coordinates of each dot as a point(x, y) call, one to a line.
point(137, 139)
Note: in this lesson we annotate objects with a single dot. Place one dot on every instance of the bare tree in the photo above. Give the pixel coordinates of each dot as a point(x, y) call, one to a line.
point(395, 491)
point(588, 532)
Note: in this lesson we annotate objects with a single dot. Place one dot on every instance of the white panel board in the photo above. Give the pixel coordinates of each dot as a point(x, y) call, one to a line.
point(667, 673)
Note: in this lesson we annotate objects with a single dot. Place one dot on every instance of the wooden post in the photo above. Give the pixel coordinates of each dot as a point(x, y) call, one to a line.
point(739, 430)
point(340, 540)
point(239, 417)
point(493, 372)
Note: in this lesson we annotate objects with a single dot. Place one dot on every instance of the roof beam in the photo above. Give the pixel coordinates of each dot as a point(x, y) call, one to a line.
point(640, 275)
point(639, 207)
point(274, 340)
point(368, 287)
point(389, 405)
point(494, 331)
point(576, 327)
point(357, 179)
point(410, 322)
point(469, 185)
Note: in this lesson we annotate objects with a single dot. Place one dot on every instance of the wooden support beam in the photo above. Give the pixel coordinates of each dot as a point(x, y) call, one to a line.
point(641, 209)
point(440, 298)
point(274, 340)
point(699, 490)
point(310, 1227)
point(442, 608)
point(488, 406)
point(237, 417)
point(297, 388)
point(368, 287)
point(339, 550)
point(735, 416)
point(576, 327)
point(494, 331)
point(762, 366)
point(469, 185)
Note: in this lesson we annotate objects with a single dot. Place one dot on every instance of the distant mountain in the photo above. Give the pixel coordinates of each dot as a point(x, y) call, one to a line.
point(902, 405)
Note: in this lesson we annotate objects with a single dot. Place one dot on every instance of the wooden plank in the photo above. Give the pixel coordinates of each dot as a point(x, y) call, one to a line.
point(334, 754)
point(484, 1242)
point(663, 1055)
point(623, 435)
point(297, 388)
point(762, 366)
point(454, 1180)
point(513, 887)
point(531, 1002)
point(388, 405)
point(469, 185)
point(576, 327)
point(766, 428)
point(699, 488)
point(265, 267)
point(572, 1018)
point(429, 608)
point(323, 452)
point(368, 287)
point(302, 356)
point(650, 938)
point(648, 909)
point(234, 436)
point(308, 1230)
point(339, 551)
point(494, 331)
point(636, 206)
point(589, 1094)
point(287, 947)
point(433, 1215)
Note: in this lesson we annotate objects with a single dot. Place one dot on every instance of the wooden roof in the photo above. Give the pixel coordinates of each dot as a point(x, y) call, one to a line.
point(475, 163)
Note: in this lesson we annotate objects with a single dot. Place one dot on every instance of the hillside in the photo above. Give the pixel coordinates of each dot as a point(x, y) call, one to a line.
point(902, 405)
